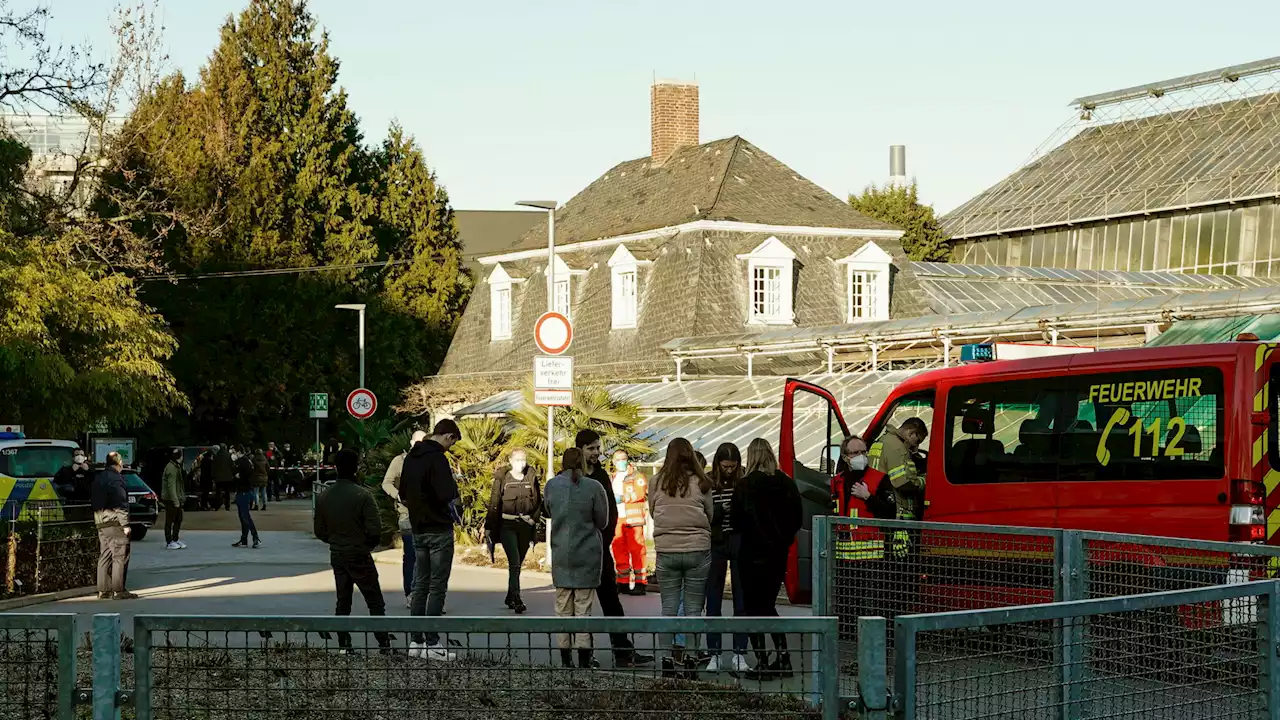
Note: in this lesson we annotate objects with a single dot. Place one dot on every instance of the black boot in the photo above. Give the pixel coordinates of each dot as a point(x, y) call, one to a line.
point(585, 660)
point(566, 658)
point(519, 605)
point(781, 666)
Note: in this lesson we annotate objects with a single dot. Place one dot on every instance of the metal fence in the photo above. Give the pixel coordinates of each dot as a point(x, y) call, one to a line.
point(1149, 656)
point(37, 666)
point(47, 550)
point(891, 568)
point(362, 667)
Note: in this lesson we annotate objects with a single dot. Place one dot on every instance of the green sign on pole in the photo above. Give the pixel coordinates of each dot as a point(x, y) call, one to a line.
point(320, 405)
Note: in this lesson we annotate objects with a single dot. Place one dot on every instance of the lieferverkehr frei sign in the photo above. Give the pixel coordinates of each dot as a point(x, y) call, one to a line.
point(553, 373)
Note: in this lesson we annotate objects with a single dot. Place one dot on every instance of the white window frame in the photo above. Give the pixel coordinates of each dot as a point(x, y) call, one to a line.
point(625, 307)
point(869, 266)
point(501, 285)
point(771, 255)
point(562, 288)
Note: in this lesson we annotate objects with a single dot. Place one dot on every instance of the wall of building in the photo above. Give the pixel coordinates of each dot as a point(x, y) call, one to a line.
point(1239, 239)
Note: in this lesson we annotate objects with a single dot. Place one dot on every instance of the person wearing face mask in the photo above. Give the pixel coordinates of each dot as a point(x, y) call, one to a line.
point(515, 503)
point(631, 490)
point(73, 481)
point(859, 489)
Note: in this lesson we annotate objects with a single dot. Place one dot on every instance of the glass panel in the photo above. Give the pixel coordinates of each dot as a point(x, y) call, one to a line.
point(1204, 242)
point(1084, 248)
point(1164, 233)
point(1177, 241)
point(1148, 229)
point(1131, 238)
point(1220, 255)
point(1267, 234)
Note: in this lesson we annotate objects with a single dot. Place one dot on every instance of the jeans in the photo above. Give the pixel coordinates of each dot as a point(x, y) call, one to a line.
point(431, 578)
point(724, 557)
point(243, 499)
point(172, 522)
point(358, 572)
point(409, 562)
point(260, 497)
point(113, 558)
point(517, 536)
point(682, 580)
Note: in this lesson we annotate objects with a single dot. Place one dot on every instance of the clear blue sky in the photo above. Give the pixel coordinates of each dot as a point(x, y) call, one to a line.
point(517, 99)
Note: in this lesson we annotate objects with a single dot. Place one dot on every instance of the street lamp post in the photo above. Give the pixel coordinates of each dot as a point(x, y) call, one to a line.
point(550, 207)
point(359, 308)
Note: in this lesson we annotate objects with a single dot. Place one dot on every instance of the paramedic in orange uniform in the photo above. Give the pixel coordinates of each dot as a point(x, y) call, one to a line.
point(631, 489)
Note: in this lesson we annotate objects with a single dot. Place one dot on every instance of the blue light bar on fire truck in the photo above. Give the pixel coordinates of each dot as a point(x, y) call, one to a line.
point(990, 352)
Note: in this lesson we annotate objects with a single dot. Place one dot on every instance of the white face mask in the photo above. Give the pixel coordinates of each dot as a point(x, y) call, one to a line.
point(858, 463)
point(79, 460)
point(517, 466)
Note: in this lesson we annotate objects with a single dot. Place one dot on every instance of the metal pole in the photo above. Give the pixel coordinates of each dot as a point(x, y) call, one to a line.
point(551, 306)
point(362, 347)
point(106, 666)
point(319, 458)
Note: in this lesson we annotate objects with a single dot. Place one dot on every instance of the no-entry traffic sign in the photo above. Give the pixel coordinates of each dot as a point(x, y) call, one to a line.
point(553, 333)
point(362, 404)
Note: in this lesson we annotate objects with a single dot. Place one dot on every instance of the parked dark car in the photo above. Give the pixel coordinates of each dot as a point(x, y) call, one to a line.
point(143, 504)
point(155, 460)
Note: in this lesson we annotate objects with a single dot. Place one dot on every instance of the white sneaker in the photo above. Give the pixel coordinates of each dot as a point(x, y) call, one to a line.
point(713, 665)
point(739, 664)
point(438, 653)
point(181, 545)
point(417, 649)
point(173, 546)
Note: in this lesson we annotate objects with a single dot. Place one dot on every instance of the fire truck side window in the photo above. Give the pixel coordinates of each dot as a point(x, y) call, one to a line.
point(919, 405)
point(1138, 425)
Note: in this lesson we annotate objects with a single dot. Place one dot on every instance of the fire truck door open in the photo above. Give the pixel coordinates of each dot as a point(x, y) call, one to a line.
point(808, 452)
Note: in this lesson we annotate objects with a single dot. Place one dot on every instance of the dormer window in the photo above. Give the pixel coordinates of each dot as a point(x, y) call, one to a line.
point(624, 272)
point(867, 274)
point(770, 278)
point(501, 294)
point(562, 288)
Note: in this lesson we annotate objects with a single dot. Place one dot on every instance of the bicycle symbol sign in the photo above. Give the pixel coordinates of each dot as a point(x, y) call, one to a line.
point(362, 404)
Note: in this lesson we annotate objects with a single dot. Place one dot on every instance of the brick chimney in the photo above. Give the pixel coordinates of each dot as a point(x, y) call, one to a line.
point(673, 114)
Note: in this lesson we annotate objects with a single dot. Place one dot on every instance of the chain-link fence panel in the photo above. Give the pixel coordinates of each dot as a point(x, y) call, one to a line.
point(527, 668)
point(37, 666)
point(891, 568)
point(1143, 656)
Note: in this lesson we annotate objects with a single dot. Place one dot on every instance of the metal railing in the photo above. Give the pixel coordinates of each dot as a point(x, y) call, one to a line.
point(866, 567)
point(1133, 656)
point(48, 549)
point(37, 666)
point(362, 667)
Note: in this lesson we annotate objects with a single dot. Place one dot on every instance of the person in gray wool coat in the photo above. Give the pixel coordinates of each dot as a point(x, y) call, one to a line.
point(579, 512)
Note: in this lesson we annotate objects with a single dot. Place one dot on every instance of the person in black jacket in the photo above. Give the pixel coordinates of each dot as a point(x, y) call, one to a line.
point(430, 493)
point(624, 653)
point(224, 477)
point(515, 504)
point(243, 485)
point(765, 511)
point(347, 521)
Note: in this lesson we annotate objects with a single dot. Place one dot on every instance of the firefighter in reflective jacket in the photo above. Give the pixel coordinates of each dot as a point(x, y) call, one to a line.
point(860, 491)
point(893, 455)
point(628, 546)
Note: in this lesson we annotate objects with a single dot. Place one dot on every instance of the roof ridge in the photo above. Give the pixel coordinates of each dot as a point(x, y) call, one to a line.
point(724, 175)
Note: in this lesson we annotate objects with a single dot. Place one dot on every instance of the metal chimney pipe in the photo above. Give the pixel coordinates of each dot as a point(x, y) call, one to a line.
point(897, 165)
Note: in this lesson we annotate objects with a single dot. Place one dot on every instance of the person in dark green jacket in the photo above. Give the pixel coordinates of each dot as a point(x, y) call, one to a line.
point(174, 493)
point(347, 521)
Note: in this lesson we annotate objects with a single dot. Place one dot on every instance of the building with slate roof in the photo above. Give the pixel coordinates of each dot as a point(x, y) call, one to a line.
point(1151, 220)
point(1180, 175)
point(693, 240)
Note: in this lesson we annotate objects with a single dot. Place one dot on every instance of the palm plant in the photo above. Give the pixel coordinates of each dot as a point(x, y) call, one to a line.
point(476, 456)
point(593, 408)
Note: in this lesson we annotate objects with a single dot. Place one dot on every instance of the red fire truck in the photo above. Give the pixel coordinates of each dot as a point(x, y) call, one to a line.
point(1170, 441)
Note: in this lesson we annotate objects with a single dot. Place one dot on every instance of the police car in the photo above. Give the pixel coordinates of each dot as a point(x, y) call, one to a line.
point(27, 468)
